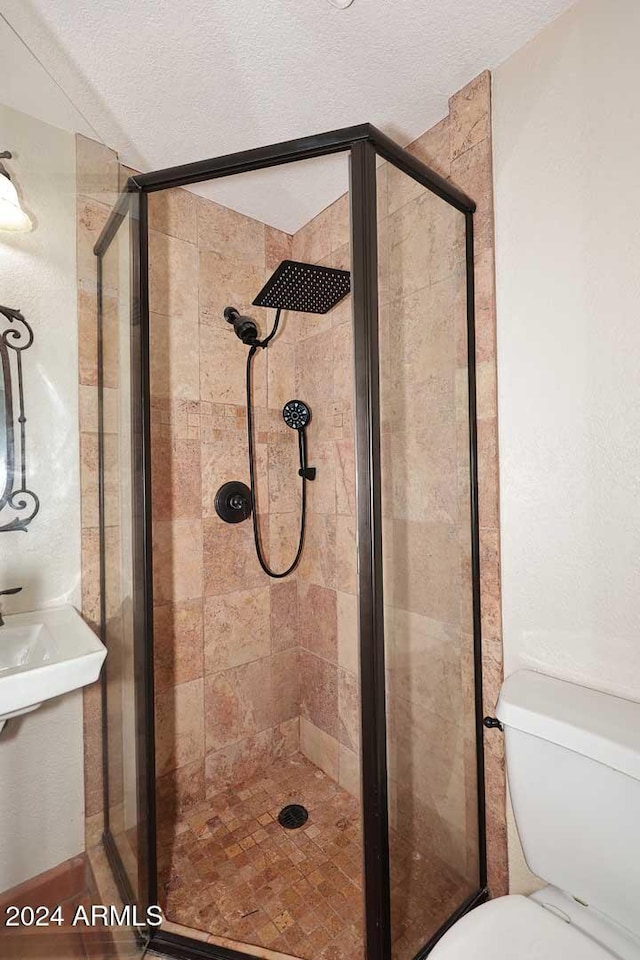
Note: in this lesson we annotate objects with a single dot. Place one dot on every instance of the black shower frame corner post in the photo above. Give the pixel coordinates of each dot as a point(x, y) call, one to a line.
point(364, 270)
point(363, 144)
point(143, 560)
point(475, 548)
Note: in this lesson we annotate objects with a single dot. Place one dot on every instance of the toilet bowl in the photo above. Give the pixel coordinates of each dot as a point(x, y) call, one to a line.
point(573, 764)
point(533, 928)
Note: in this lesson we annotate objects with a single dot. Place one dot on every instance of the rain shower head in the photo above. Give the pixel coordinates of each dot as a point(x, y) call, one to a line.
point(304, 287)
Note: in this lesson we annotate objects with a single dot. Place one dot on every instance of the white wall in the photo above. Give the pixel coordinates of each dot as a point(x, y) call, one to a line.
point(566, 117)
point(26, 86)
point(38, 276)
point(41, 755)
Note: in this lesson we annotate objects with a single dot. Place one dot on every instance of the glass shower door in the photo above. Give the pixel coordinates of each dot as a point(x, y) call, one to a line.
point(427, 547)
point(427, 543)
point(419, 590)
point(124, 584)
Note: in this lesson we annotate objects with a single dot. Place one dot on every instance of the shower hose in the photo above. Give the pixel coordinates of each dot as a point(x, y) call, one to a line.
point(252, 470)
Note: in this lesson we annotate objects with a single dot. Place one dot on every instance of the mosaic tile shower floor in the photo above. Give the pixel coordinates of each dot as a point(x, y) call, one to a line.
point(233, 872)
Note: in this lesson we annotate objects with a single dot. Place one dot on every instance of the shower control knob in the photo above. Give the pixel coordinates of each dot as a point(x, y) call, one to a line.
point(233, 502)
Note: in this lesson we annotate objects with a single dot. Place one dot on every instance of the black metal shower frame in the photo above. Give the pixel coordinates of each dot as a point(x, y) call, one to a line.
point(363, 143)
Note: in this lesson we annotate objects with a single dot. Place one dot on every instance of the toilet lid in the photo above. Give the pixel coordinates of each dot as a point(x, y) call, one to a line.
point(515, 928)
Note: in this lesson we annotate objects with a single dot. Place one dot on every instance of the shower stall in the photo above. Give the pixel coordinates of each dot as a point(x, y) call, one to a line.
point(292, 725)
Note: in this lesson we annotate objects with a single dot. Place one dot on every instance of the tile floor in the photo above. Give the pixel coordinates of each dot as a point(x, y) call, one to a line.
point(68, 886)
point(65, 942)
point(61, 945)
point(234, 872)
point(231, 871)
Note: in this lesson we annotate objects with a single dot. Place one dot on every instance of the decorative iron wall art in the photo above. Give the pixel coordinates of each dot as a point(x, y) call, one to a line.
point(18, 504)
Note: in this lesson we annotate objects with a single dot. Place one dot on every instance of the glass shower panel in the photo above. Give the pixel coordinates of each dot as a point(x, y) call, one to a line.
point(426, 529)
point(118, 545)
point(256, 677)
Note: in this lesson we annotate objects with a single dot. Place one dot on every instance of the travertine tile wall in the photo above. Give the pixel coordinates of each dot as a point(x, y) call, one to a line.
point(240, 658)
point(227, 688)
point(327, 579)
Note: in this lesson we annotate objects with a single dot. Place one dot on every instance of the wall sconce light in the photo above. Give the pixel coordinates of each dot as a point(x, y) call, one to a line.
point(12, 216)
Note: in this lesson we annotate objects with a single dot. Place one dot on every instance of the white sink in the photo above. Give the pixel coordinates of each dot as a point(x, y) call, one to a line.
point(43, 655)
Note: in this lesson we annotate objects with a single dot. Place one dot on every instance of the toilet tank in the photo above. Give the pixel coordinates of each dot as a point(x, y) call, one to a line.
point(573, 765)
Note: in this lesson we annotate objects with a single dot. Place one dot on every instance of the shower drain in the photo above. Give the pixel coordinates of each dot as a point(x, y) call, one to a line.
point(292, 816)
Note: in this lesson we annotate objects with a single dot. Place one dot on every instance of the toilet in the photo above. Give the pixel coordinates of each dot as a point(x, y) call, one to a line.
point(573, 764)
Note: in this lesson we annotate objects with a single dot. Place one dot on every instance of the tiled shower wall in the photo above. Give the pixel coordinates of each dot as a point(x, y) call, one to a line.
point(247, 668)
point(327, 583)
point(227, 686)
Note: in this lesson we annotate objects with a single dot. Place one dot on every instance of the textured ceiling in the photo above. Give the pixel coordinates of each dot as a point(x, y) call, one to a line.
point(25, 86)
point(170, 81)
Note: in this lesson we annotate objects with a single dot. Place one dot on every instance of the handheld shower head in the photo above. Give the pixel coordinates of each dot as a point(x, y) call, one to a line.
point(296, 414)
point(244, 327)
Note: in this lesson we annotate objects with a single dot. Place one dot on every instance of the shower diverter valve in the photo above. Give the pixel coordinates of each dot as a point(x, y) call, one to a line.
point(233, 502)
